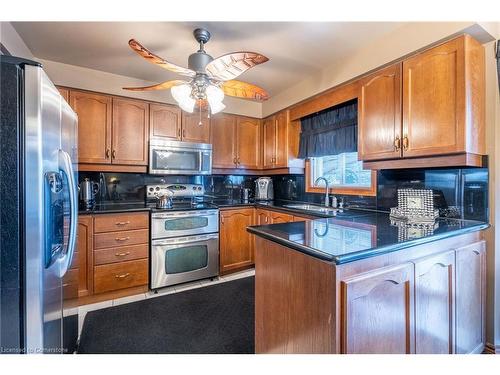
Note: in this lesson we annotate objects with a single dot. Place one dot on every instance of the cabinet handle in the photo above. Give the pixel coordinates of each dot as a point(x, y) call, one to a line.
point(397, 143)
point(235, 161)
point(183, 133)
point(122, 222)
point(222, 219)
point(122, 254)
point(123, 275)
point(406, 142)
point(107, 153)
point(238, 161)
point(113, 154)
point(122, 238)
point(179, 132)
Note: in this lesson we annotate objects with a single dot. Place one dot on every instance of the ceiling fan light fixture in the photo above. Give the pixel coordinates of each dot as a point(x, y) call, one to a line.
point(182, 95)
point(215, 96)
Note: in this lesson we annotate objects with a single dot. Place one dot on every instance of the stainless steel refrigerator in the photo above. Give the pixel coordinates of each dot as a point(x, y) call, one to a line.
point(38, 206)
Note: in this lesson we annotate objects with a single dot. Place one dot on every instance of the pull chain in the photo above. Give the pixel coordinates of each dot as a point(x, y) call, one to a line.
point(200, 123)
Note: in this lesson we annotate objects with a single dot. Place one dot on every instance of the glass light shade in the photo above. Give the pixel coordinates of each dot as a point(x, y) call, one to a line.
point(215, 96)
point(182, 95)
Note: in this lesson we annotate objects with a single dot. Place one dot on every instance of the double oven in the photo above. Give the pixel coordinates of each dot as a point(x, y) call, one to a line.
point(184, 246)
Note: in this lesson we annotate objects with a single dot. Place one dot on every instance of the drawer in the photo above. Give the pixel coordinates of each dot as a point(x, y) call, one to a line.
point(120, 254)
point(119, 239)
point(108, 277)
point(117, 222)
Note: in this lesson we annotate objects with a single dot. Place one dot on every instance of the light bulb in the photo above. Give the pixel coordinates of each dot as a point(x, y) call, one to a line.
point(182, 95)
point(215, 96)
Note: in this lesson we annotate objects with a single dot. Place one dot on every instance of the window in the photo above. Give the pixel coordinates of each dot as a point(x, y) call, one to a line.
point(345, 175)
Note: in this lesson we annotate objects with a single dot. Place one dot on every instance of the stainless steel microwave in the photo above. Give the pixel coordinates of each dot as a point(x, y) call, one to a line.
point(176, 157)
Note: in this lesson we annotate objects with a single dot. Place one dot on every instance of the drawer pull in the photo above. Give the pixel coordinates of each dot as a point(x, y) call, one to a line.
point(122, 238)
point(122, 276)
point(122, 222)
point(122, 254)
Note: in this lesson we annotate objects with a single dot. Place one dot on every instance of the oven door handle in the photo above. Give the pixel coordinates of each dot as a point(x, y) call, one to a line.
point(184, 214)
point(183, 240)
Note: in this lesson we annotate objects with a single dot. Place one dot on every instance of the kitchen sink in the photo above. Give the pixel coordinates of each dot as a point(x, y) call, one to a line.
point(312, 208)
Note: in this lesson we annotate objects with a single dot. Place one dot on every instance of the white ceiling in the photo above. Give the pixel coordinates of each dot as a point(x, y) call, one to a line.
point(296, 49)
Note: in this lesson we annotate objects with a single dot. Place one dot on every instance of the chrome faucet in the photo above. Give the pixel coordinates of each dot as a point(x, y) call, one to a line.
point(327, 201)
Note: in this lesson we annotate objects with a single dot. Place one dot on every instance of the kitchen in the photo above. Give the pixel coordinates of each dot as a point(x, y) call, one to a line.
point(350, 216)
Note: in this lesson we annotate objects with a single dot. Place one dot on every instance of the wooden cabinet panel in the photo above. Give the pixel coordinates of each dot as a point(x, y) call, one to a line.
point(64, 93)
point(434, 304)
point(121, 275)
point(94, 126)
point(120, 254)
point(192, 131)
point(123, 238)
point(165, 121)
point(377, 311)
point(263, 217)
point(248, 143)
point(281, 156)
point(236, 244)
point(130, 132)
point(121, 221)
point(223, 139)
point(269, 142)
point(280, 217)
point(379, 108)
point(470, 298)
point(434, 101)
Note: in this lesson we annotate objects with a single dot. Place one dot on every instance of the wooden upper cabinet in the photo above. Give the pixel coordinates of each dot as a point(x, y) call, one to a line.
point(248, 149)
point(94, 126)
point(377, 311)
point(281, 149)
point(223, 139)
point(130, 132)
point(165, 121)
point(64, 93)
point(434, 304)
point(192, 131)
point(443, 100)
point(379, 112)
point(236, 244)
point(269, 142)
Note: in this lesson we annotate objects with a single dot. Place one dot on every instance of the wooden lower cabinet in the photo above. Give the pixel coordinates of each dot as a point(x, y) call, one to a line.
point(470, 298)
point(425, 299)
point(377, 312)
point(110, 277)
point(280, 217)
point(236, 245)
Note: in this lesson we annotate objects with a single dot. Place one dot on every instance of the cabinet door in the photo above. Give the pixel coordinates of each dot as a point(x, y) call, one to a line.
point(248, 143)
point(269, 142)
point(130, 132)
point(281, 156)
point(280, 217)
point(434, 101)
point(94, 126)
point(434, 304)
point(165, 121)
point(64, 93)
point(377, 312)
point(192, 131)
point(470, 298)
point(236, 244)
point(223, 139)
point(263, 217)
point(379, 107)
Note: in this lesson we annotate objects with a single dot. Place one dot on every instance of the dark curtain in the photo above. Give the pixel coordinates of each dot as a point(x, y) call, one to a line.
point(330, 132)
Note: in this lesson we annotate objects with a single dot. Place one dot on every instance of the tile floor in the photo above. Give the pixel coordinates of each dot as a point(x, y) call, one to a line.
point(84, 309)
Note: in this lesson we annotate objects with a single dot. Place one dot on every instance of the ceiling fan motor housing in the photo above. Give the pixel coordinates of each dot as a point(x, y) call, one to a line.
point(198, 61)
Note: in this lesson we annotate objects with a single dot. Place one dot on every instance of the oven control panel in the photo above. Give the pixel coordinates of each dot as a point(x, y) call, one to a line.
point(175, 190)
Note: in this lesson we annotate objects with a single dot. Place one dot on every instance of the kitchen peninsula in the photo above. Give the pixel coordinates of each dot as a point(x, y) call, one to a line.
point(358, 283)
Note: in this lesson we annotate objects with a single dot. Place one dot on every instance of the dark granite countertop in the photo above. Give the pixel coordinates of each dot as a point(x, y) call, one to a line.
point(108, 208)
point(358, 234)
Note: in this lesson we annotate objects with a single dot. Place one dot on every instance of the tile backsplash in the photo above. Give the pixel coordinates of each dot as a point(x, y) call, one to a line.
point(459, 192)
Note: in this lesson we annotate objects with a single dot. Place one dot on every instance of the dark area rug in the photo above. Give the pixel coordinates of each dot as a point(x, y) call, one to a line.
point(214, 319)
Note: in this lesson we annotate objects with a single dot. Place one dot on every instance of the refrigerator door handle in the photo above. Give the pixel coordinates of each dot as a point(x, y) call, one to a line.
point(67, 167)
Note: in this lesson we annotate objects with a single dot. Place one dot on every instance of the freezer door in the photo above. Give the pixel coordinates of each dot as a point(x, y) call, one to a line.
point(50, 209)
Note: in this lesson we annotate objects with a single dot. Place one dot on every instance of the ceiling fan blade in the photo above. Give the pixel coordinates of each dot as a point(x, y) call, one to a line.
point(160, 86)
point(233, 64)
point(244, 90)
point(151, 57)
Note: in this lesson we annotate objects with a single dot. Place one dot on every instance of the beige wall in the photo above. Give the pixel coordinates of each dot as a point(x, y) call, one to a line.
point(96, 80)
point(13, 42)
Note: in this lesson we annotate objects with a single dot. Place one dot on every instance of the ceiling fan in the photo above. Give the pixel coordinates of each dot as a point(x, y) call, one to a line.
point(208, 79)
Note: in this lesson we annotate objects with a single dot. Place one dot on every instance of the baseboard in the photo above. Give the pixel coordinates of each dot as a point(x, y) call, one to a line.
point(490, 349)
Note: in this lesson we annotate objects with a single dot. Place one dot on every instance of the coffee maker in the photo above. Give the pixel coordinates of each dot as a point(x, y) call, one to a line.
point(88, 190)
point(264, 189)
